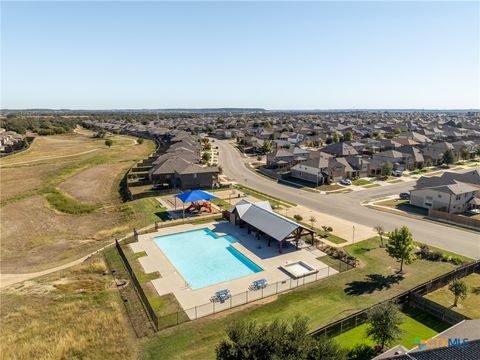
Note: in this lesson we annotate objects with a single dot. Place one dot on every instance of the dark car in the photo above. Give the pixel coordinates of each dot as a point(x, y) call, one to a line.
point(404, 196)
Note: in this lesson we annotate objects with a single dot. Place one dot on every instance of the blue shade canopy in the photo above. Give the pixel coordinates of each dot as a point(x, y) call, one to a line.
point(195, 195)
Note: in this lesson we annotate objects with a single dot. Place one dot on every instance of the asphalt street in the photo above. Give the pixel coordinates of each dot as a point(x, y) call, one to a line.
point(348, 205)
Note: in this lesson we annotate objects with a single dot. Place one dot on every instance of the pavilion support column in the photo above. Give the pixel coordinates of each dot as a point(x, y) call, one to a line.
point(280, 246)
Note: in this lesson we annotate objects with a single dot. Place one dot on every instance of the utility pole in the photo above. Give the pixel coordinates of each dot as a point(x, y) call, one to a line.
point(353, 234)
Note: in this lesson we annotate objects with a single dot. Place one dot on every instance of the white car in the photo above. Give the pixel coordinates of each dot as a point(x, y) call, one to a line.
point(346, 182)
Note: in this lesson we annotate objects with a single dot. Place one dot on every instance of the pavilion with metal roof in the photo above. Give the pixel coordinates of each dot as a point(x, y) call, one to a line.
point(260, 218)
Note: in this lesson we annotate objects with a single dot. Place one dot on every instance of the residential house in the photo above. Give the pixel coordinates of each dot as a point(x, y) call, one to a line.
point(450, 192)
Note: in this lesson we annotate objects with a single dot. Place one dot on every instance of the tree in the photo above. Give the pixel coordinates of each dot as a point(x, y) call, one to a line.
point(313, 220)
point(327, 230)
point(348, 136)
point(361, 352)
point(267, 147)
point(268, 125)
point(458, 289)
point(477, 150)
point(380, 231)
point(464, 153)
point(100, 134)
point(387, 168)
point(298, 217)
point(400, 246)
point(108, 142)
point(206, 157)
point(383, 323)
point(448, 157)
point(397, 131)
point(140, 141)
point(335, 137)
point(275, 340)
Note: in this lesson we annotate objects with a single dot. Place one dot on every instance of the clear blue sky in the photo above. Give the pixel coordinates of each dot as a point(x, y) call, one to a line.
point(276, 55)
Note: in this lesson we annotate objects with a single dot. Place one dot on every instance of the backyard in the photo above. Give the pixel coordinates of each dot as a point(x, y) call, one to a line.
point(469, 306)
point(342, 295)
point(415, 324)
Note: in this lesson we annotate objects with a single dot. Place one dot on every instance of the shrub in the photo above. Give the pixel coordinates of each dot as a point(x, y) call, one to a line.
point(361, 352)
point(456, 260)
point(436, 256)
point(298, 217)
point(424, 252)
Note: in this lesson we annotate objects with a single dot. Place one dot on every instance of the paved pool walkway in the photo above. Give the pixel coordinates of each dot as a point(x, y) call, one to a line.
point(197, 302)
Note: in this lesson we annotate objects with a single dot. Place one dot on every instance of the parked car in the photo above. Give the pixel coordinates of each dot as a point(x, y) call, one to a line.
point(346, 182)
point(404, 196)
point(397, 173)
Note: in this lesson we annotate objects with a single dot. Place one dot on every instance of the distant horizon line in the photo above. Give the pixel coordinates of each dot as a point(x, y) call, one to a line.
point(239, 109)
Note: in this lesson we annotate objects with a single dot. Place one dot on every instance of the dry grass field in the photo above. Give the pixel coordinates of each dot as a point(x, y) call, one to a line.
point(73, 314)
point(60, 199)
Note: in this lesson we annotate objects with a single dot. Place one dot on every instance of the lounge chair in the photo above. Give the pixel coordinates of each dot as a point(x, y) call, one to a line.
point(223, 295)
point(259, 284)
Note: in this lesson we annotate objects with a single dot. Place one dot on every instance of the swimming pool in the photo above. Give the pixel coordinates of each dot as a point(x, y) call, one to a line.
point(203, 258)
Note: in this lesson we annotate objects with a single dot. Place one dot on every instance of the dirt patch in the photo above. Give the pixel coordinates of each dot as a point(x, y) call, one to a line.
point(94, 185)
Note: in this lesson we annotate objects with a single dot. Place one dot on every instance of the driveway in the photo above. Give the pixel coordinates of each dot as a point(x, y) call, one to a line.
point(348, 206)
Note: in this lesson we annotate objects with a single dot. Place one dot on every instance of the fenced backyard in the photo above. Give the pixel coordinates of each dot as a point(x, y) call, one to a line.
point(455, 219)
point(413, 298)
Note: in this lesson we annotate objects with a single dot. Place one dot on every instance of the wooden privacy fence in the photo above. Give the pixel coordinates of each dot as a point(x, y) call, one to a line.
point(453, 218)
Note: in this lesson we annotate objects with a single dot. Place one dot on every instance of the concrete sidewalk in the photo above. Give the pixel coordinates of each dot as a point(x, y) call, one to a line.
point(341, 228)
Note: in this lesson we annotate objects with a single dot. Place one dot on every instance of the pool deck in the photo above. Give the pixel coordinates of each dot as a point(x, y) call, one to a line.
point(198, 300)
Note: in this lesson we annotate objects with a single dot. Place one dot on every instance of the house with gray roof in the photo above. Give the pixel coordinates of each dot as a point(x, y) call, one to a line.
point(450, 192)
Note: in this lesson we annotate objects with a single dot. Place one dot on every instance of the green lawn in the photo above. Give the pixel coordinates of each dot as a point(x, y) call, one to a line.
point(336, 264)
point(322, 302)
point(468, 307)
point(330, 237)
point(148, 211)
point(361, 182)
point(222, 204)
point(276, 202)
point(162, 305)
point(415, 324)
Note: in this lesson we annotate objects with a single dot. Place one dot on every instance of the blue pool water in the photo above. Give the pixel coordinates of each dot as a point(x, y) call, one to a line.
point(203, 258)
